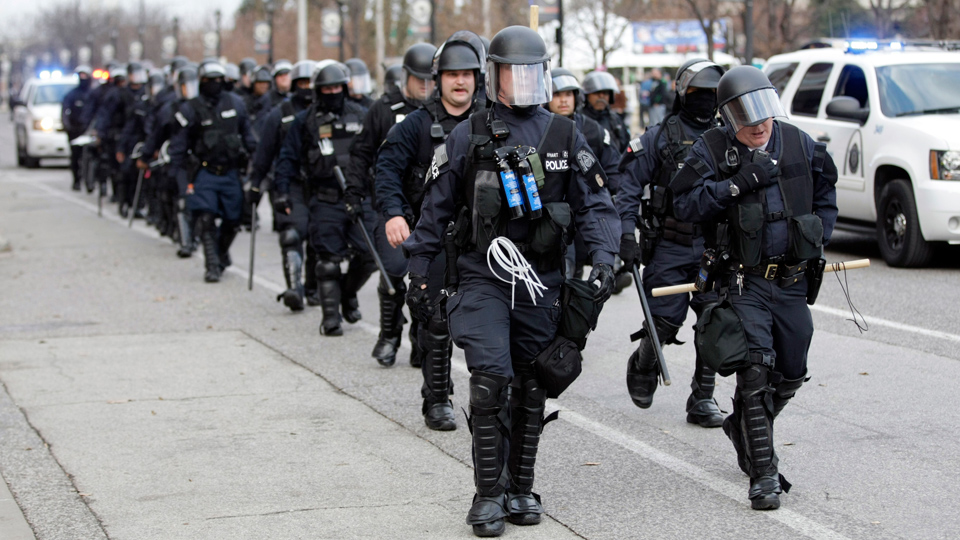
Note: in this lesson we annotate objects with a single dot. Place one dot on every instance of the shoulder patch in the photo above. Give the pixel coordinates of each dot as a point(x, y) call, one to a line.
point(635, 146)
point(439, 160)
point(181, 119)
point(586, 160)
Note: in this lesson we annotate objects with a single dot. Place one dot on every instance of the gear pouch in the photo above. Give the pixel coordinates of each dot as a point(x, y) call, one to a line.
point(558, 366)
point(579, 312)
point(549, 234)
point(487, 203)
point(720, 338)
point(750, 241)
point(806, 237)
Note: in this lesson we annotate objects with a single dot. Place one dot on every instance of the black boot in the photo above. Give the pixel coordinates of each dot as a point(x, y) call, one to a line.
point(228, 233)
point(702, 409)
point(437, 386)
point(643, 371)
point(211, 251)
point(391, 324)
point(527, 421)
point(416, 353)
point(310, 277)
point(328, 282)
point(185, 230)
point(489, 425)
point(290, 246)
point(360, 269)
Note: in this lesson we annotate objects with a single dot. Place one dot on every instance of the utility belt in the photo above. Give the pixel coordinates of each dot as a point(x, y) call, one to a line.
point(680, 232)
point(216, 169)
point(329, 195)
point(776, 269)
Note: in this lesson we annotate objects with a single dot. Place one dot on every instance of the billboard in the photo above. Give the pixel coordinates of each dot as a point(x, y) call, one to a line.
point(676, 36)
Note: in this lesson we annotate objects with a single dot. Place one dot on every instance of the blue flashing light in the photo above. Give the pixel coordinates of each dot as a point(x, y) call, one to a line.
point(44, 74)
point(896, 45)
point(56, 74)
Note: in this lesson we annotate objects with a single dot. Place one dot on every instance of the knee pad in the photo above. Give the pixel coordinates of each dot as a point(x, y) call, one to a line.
point(328, 270)
point(437, 328)
point(488, 392)
point(290, 239)
point(533, 395)
point(666, 331)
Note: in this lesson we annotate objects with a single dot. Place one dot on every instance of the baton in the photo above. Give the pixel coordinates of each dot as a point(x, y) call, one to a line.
point(100, 197)
point(253, 244)
point(136, 198)
point(366, 236)
point(831, 267)
point(651, 327)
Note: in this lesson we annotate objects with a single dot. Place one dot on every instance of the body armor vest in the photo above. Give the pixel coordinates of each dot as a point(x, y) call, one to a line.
point(120, 112)
point(661, 198)
point(745, 220)
point(326, 139)
point(287, 114)
point(441, 124)
point(219, 143)
point(541, 240)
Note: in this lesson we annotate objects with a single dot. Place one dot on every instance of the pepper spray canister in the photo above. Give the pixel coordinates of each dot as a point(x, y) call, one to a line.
point(534, 206)
point(511, 188)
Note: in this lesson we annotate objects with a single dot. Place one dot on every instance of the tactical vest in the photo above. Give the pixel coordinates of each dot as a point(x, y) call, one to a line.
point(672, 154)
point(484, 205)
point(287, 114)
point(745, 220)
point(120, 112)
point(441, 124)
point(219, 143)
point(326, 140)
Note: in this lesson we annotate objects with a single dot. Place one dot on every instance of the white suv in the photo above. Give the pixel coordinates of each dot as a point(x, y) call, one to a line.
point(890, 116)
point(36, 116)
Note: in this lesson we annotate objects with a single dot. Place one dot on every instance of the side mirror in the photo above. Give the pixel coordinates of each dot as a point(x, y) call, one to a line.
point(847, 108)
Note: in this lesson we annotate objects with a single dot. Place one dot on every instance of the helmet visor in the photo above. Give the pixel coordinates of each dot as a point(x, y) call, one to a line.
point(700, 75)
point(519, 84)
point(361, 84)
point(189, 89)
point(416, 87)
point(565, 82)
point(752, 108)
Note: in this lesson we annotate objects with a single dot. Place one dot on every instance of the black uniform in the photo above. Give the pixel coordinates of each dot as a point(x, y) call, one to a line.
point(771, 234)
point(613, 123)
point(216, 131)
point(71, 115)
point(173, 221)
point(315, 143)
point(138, 123)
point(263, 105)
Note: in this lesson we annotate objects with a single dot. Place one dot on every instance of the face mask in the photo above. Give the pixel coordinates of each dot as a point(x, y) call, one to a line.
point(228, 86)
point(330, 102)
point(303, 95)
point(85, 83)
point(210, 88)
point(700, 107)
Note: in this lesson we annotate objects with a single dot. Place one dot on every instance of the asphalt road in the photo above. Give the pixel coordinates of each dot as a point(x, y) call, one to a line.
point(139, 402)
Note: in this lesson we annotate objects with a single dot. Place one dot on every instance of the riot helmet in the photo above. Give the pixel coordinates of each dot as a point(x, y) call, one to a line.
point(302, 72)
point(247, 66)
point(136, 73)
point(231, 72)
point(178, 62)
point(566, 93)
point(118, 75)
point(564, 80)
point(303, 69)
point(747, 98)
point(360, 83)
point(463, 51)
point(486, 43)
point(600, 81)
point(698, 107)
point(518, 68)
point(418, 63)
point(262, 75)
point(211, 76)
point(156, 82)
point(330, 87)
point(188, 84)
point(392, 77)
point(85, 69)
point(280, 67)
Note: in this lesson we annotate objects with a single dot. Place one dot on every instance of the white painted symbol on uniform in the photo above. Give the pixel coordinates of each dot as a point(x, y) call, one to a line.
point(228, 113)
point(554, 165)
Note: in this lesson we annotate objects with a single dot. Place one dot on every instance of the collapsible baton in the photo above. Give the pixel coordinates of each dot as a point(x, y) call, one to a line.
point(253, 244)
point(692, 287)
point(135, 155)
point(366, 237)
point(651, 327)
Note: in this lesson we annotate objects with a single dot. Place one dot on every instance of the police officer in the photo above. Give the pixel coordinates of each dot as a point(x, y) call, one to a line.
point(565, 102)
point(109, 123)
point(215, 129)
point(281, 87)
point(599, 87)
point(361, 85)
point(465, 187)
point(402, 167)
point(136, 125)
point(318, 140)
point(292, 226)
point(765, 194)
point(393, 76)
point(672, 249)
point(231, 77)
point(394, 105)
point(71, 113)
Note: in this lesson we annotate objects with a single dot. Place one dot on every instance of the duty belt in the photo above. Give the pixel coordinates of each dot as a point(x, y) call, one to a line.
point(218, 170)
point(777, 268)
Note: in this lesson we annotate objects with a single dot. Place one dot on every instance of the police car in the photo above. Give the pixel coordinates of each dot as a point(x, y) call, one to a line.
point(889, 113)
point(36, 116)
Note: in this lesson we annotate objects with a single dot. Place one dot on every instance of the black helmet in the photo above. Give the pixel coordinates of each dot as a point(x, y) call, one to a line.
point(330, 75)
point(156, 82)
point(600, 81)
point(247, 66)
point(231, 72)
point(697, 73)
point(262, 75)
point(118, 72)
point(486, 44)
point(463, 50)
point(280, 67)
point(136, 73)
point(178, 62)
point(302, 70)
point(360, 82)
point(564, 80)
point(524, 51)
point(211, 70)
point(747, 97)
point(83, 68)
point(393, 76)
point(418, 60)
point(187, 77)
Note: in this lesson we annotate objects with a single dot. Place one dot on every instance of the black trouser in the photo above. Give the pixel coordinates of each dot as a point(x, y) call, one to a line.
point(76, 158)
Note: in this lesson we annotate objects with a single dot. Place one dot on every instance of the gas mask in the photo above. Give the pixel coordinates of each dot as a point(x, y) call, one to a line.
point(210, 88)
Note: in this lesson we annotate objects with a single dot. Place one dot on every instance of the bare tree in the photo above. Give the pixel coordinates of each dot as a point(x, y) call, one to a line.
point(886, 13)
point(707, 12)
point(597, 22)
point(942, 18)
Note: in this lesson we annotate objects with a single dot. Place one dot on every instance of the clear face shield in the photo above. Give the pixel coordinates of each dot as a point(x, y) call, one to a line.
point(519, 84)
point(565, 82)
point(415, 87)
point(138, 76)
point(189, 89)
point(361, 84)
point(752, 109)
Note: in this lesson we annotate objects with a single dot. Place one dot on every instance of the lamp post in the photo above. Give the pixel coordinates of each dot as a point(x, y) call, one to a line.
point(269, 6)
point(343, 33)
point(219, 47)
point(176, 36)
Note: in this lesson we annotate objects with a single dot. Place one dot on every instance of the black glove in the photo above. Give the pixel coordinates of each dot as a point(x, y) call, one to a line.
point(759, 173)
point(418, 299)
point(252, 195)
point(628, 249)
point(604, 274)
point(281, 204)
point(354, 206)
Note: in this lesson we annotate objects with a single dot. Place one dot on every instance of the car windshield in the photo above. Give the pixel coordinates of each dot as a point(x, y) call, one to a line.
point(51, 93)
point(915, 89)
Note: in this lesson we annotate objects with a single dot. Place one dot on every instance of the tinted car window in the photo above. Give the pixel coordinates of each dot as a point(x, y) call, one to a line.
point(852, 83)
point(807, 100)
point(779, 75)
point(915, 89)
point(51, 93)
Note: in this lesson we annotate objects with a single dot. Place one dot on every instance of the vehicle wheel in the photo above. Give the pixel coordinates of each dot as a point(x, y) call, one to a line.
point(898, 227)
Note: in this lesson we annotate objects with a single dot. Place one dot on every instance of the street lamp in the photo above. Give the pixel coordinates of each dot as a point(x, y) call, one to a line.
point(219, 48)
point(269, 7)
point(343, 33)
